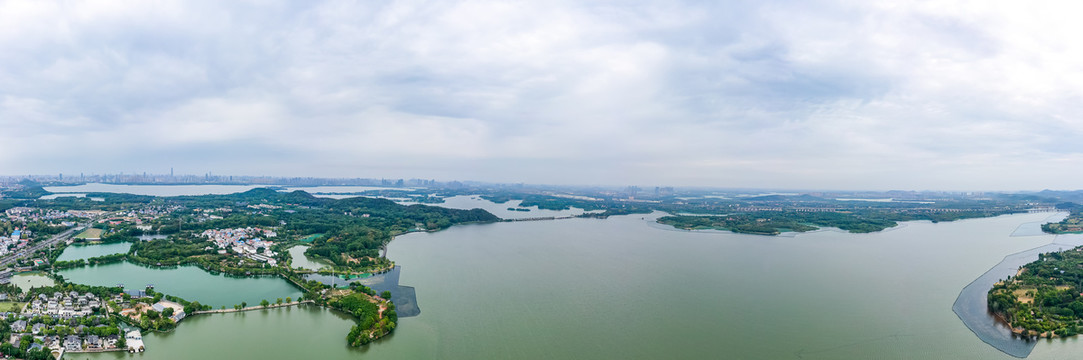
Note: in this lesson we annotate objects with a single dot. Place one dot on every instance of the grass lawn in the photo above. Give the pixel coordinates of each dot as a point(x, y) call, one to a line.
point(91, 233)
point(6, 306)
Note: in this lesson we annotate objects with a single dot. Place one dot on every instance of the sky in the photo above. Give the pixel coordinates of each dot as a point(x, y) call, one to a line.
point(861, 95)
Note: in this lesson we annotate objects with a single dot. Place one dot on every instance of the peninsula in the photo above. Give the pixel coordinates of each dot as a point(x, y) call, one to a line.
point(1043, 299)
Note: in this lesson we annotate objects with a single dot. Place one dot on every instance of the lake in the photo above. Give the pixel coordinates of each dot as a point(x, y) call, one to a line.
point(188, 282)
point(303, 332)
point(625, 288)
point(25, 281)
point(299, 260)
point(77, 251)
point(501, 210)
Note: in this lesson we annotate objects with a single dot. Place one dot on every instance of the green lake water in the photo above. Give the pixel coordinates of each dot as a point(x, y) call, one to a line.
point(26, 281)
point(76, 252)
point(188, 282)
point(626, 288)
point(303, 332)
point(299, 260)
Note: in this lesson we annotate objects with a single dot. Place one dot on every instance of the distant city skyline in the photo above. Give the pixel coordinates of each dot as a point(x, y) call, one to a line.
point(946, 95)
point(196, 179)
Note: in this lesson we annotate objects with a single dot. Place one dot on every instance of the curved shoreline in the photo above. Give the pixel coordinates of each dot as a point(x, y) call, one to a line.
point(972, 305)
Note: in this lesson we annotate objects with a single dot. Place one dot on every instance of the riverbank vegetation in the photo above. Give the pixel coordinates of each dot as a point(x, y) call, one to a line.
point(775, 222)
point(1043, 299)
point(1073, 224)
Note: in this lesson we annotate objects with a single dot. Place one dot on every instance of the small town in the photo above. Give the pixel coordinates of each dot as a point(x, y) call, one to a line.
point(75, 322)
point(244, 242)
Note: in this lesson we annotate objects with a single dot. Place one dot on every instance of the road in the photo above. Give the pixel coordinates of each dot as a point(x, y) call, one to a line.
point(25, 252)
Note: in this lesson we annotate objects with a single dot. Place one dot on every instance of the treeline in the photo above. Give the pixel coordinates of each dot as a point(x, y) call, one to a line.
point(546, 202)
point(774, 222)
point(98, 260)
point(110, 202)
point(27, 192)
point(61, 286)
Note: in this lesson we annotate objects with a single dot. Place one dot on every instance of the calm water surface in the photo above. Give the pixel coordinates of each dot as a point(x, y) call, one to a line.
point(188, 282)
point(622, 289)
point(26, 281)
point(76, 252)
point(299, 260)
point(474, 202)
point(304, 332)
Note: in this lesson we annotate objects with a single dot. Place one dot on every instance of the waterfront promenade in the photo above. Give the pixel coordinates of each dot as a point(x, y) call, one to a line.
point(251, 308)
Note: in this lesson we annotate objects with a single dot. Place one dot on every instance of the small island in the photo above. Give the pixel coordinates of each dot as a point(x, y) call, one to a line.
point(1044, 298)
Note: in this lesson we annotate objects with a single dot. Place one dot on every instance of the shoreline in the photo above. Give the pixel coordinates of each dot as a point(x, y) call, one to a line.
point(252, 308)
point(971, 306)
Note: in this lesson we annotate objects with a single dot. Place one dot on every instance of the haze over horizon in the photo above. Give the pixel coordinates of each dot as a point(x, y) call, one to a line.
point(746, 94)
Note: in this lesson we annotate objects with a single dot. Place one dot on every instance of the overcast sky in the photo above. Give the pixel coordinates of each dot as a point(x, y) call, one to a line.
point(940, 95)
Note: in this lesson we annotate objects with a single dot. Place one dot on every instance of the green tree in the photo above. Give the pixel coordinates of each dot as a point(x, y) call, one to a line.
point(8, 349)
point(24, 343)
point(278, 301)
point(289, 299)
point(386, 295)
point(193, 307)
point(264, 303)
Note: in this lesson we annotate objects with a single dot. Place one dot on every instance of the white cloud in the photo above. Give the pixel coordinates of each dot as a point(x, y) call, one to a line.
point(829, 94)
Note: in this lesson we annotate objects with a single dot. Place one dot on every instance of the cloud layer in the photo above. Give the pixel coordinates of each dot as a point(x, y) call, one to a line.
point(816, 95)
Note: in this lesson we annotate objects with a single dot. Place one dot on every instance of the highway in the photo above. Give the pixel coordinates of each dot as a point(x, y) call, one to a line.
point(8, 259)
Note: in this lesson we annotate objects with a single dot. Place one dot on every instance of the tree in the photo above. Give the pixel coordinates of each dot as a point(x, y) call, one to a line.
point(167, 312)
point(244, 304)
point(386, 295)
point(192, 307)
point(289, 299)
point(264, 303)
point(8, 349)
point(24, 343)
point(121, 342)
point(39, 354)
